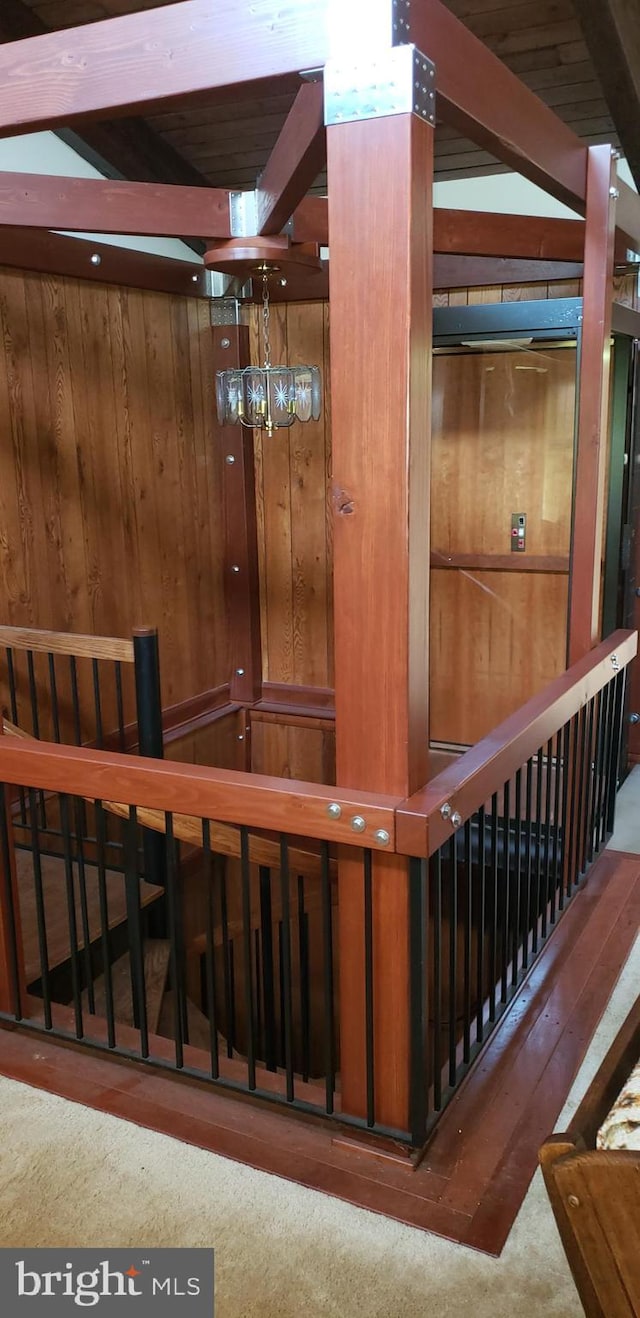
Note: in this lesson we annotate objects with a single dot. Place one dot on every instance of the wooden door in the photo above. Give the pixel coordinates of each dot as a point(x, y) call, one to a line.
point(503, 436)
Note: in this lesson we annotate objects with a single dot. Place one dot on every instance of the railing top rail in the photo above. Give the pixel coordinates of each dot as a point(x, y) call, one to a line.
point(70, 643)
point(227, 795)
point(472, 779)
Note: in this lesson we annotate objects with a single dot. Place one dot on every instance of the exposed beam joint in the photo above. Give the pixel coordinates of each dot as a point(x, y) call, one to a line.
point(478, 94)
point(298, 156)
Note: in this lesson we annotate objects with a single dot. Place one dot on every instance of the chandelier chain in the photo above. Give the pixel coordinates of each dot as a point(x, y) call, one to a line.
point(265, 320)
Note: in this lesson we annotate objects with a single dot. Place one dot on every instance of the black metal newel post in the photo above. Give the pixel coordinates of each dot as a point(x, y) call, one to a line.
point(146, 655)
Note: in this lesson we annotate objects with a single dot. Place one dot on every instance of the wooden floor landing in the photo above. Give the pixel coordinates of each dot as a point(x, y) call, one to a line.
point(480, 1162)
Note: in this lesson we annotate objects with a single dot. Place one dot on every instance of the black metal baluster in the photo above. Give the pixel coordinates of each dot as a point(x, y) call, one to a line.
point(328, 996)
point(268, 976)
point(517, 882)
point(14, 719)
point(537, 876)
point(84, 908)
point(453, 957)
point(101, 842)
point(285, 962)
point(43, 949)
point(75, 700)
point(482, 897)
point(587, 786)
point(35, 724)
point(210, 948)
point(53, 692)
point(419, 1014)
point(173, 897)
point(134, 931)
point(71, 914)
point(245, 878)
point(570, 853)
point(122, 740)
point(468, 930)
point(493, 928)
point(97, 703)
point(435, 869)
point(606, 743)
point(553, 895)
point(528, 824)
point(547, 840)
point(504, 913)
point(8, 902)
point(601, 752)
point(227, 965)
point(562, 843)
point(303, 960)
point(616, 739)
point(582, 751)
point(594, 784)
point(368, 985)
point(258, 996)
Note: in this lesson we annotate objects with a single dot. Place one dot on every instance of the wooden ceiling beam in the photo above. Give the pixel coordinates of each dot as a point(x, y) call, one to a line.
point(297, 158)
point(478, 94)
point(612, 32)
point(58, 254)
point(142, 62)
point(42, 201)
point(127, 149)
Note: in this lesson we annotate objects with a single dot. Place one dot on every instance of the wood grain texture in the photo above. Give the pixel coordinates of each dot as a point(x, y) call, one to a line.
point(89, 647)
point(147, 60)
point(593, 407)
point(380, 495)
point(109, 478)
point(42, 201)
point(295, 162)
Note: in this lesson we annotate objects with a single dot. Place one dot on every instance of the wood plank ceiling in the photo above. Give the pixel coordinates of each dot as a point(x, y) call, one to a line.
point(229, 142)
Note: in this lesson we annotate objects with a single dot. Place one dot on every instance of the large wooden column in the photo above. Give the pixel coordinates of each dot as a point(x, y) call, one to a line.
point(589, 478)
point(380, 233)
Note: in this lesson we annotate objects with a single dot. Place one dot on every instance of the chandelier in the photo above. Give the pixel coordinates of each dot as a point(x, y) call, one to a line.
point(268, 397)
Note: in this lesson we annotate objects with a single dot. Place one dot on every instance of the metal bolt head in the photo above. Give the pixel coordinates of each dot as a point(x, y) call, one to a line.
point(456, 819)
point(239, 672)
point(573, 1201)
point(614, 193)
point(615, 663)
point(445, 810)
point(334, 810)
point(382, 837)
point(241, 736)
point(358, 824)
point(224, 343)
point(194, 279)
point(96, 259)
point(634, 718)
point(230, 459)
point(234, 567)
point(283, 283)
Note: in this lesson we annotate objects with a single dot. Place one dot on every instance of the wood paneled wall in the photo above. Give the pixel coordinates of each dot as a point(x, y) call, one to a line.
point(110, 490)
point(294, 516)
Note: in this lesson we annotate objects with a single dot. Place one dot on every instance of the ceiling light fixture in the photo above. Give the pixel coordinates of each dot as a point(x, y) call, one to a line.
point(268, 397)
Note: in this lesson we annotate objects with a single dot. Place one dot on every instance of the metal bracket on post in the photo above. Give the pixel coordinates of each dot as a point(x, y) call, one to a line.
point(400, 80)
point(243, 214)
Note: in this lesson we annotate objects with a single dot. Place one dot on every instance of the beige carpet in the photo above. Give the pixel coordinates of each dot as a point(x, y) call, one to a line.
point(71, 1176)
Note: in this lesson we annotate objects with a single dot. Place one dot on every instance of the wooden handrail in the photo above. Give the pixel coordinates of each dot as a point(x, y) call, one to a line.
point(470, 781)
point(226, 795)
point(72, 643)
point(224, 838)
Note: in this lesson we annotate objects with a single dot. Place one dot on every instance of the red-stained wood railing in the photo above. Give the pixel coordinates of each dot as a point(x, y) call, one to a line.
point(423, 822)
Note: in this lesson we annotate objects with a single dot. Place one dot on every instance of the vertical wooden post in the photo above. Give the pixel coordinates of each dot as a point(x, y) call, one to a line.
point(242, 586)
point(380, 223)
point(593, 405)
point(12, 972)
